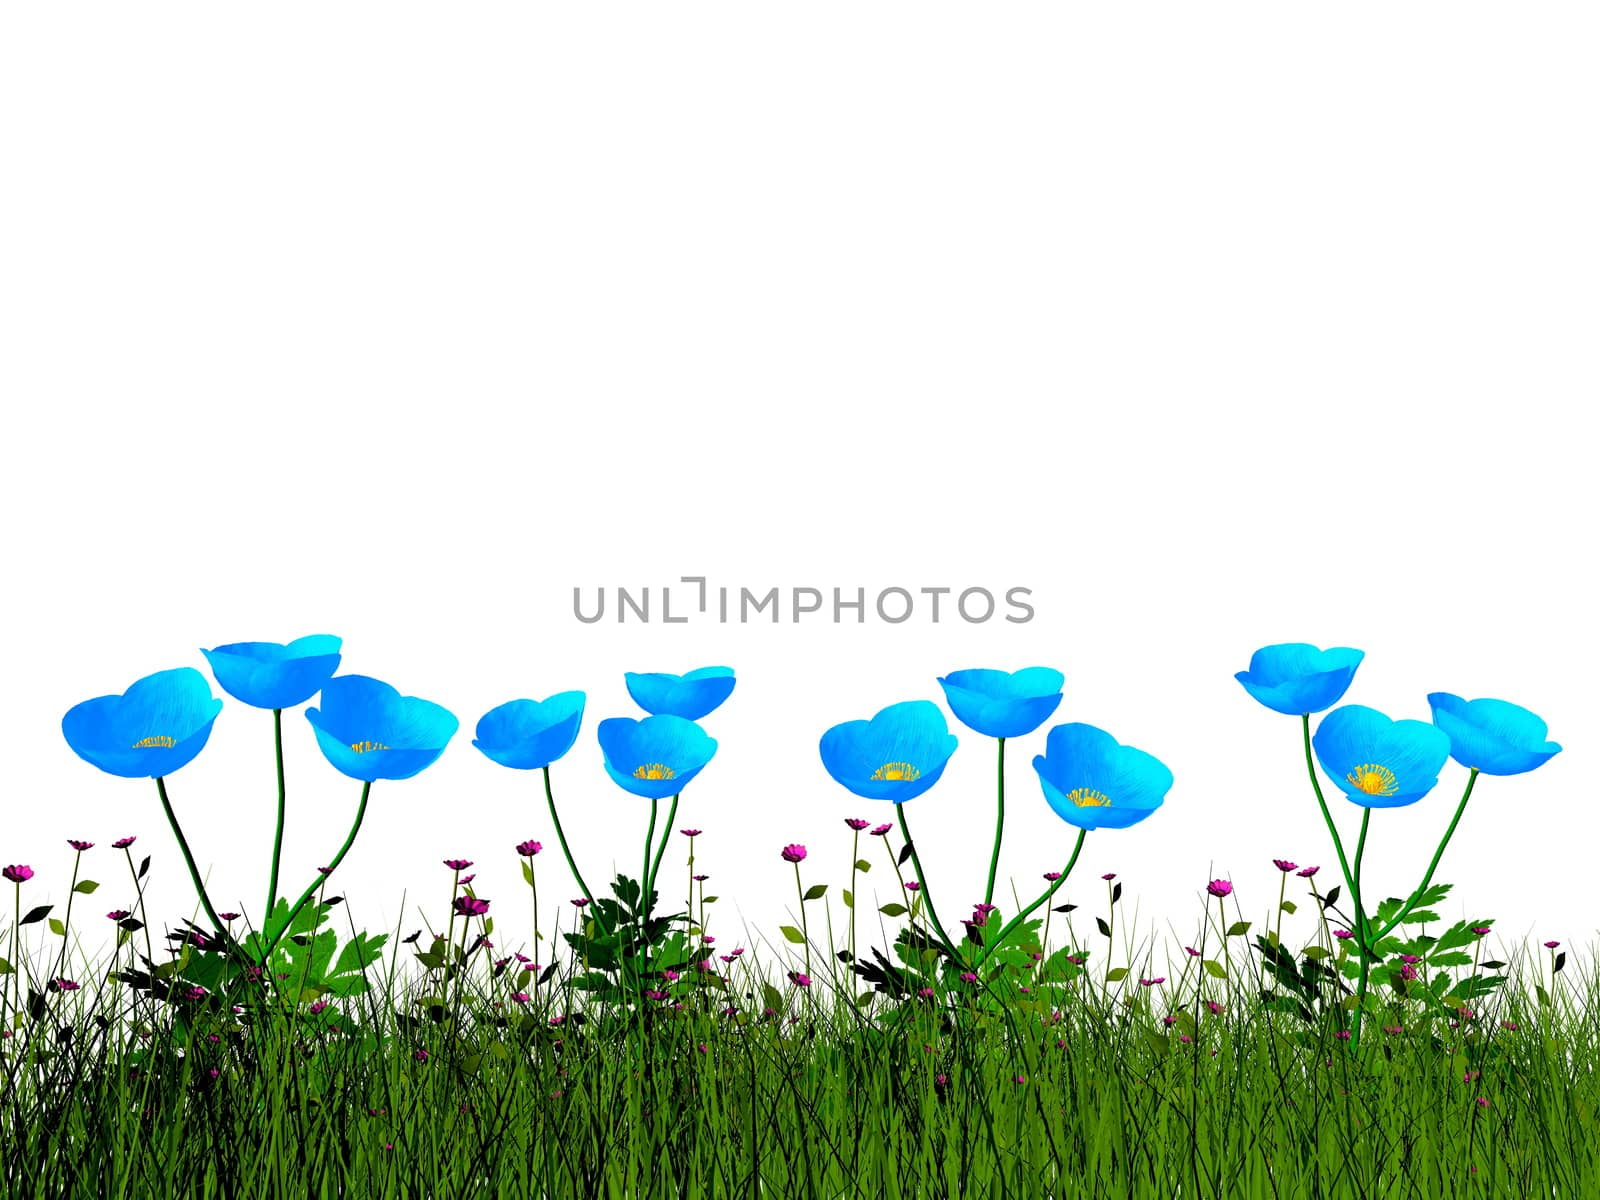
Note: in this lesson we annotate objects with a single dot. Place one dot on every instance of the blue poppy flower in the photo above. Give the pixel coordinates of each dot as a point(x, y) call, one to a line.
point(1093, 782)
point(1298, 679)
point(527, 734)
point(1495, 736)
point(689, 696)
point(897, 755)
point(654, 757)
point(369, 731)
point(1003, 704)
point(1376, 762)
point(272, 675)
point(151, 730)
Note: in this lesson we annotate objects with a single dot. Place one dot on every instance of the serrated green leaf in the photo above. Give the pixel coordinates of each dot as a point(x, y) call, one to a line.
point(1421, 916)
point(1452, 959)
point(793, 934)
point(1435, 894)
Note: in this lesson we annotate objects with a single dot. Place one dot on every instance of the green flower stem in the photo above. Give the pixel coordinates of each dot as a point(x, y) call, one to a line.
point(66, 920)
point(999, 820)
point(855, 857)
point(361, 812)
point(277, 839)
point(1050, 891)
point(905, 832)
point(15, 982)
point(805, 927)
point(194, 871)
point(644, 867)
point(1365, 950)
point(1449, 833)
point(1311, 769)
point(562, 837)
point(661, 851)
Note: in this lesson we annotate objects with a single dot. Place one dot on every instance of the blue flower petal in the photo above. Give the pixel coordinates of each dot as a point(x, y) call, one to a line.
point(1125, 783)
point(691, 696)
point(1377, 762)
point(655, 757)
point(528, 734)
point(275, 675)
point(1494, 736)
point(157, 726)
point(906, 746)
point(369, 731)
point(1297, 679)
point(1000, 703)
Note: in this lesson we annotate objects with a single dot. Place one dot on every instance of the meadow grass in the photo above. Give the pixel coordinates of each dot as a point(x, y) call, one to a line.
point(416, 1080)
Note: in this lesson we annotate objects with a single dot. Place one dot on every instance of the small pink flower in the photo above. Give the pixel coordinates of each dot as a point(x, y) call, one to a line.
point(1307, 872)
point(1547, 945)
point(654, 994)
point(701, 878)
point(17, 873)
point(1152, 982)
point(1480, 930)
point(1343, 1035)
point(228, 916)
point(1109, 876)
point(1076, 960)
point(520, 997)
point(458, 864)
point(794, 853)
point(1284, 865)
point(856, 823)
point(119, 914)
point(799, 979)
point(1192, 952)
point(1185, 1038)
point(1215, 1006)
point(880, 830)
point(1393, 1029)
point(912, 886)
point(1219, 887)
point(969, 977)
point(670, 975)
point(1169, 1019)
point(1483, 1102)
point(528, 849)
point(421, 1055)
point(464, 880)
point(1512, 1025)
point(926, 993)
point(1407, 972)
point(471, 906)
point(196, 992)
point(1052, 876)
point(325, 870)
point(1410, 958)
point(1343, 934)
point(708, 938)
point(67, 985)
point(123, 843)
point(318, 1006)
point(80, 847)
point(580, 902)
point(691, 832)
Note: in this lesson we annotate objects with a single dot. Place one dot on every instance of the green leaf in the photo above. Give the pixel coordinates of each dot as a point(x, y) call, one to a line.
point(85, 887)
point(770, 997)
point(1159, 1043)
point(5, 967)
point(793, 934)
point(1435, 894)
point(57, 928)
point(527, 873)
point(1420, 916)
point(1317, 952)
point(863, 865)
point(1453, 959)
point(1116, 974)
point(708, 899)
point(849, 897)
point(1238, 928)
point(815, 890)
point(893, 910)
point(1288, 907)
point(1388, 910)
point(35, 915)
point(1215, 969)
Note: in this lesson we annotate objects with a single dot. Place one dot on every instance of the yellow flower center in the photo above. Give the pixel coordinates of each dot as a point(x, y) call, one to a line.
point(654, 771)
point(363, 747)
point(902, 771)
point(1089, 798)
point(159, 739)
point(1374, 779)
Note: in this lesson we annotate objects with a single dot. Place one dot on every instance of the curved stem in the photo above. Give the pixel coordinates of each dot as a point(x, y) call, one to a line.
point(1449, 833)
point(644, 868)
point(661, 851)
point(277, 839)
point(361, 812)
point(562, 837)
point(66, 921)
point(188, 858)
point(1311, 769)
point(1050, 891)
point(999, 820)
point(905, 831)
point(1362, 947)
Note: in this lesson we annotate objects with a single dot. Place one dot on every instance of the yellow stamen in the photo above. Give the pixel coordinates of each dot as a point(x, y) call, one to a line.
point(1374, 779)
point(159, 739)
point(901, 771)
point(654, 771)
point(1089, 798)
point(363, 747)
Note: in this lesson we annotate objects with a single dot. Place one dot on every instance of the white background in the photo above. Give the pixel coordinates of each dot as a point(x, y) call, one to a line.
point(1214, 325)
